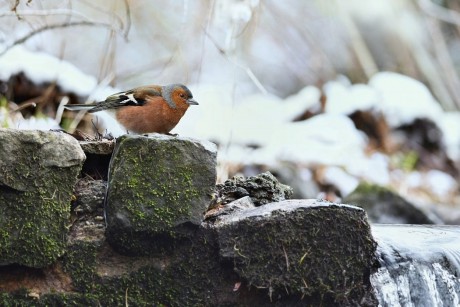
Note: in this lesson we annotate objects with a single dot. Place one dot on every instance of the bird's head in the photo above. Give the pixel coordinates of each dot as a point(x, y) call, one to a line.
point(178, 95)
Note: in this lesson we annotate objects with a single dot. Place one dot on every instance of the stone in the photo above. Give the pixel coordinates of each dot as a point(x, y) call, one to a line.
point(263, 189)
point(219, 212)
point(38, 171)
point(387, 207)
point(157, 185)
point(300, 246)
point(194, 273)
point(90, 195)
point(102, 147)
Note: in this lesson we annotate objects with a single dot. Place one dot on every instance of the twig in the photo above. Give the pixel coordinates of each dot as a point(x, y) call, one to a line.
point(60, 109)
point(24, 105)
point(108, 58)
point(15, 8)
point(287, 259)
point(56, 12)
point(55, 26)
point(451, 82)
point(128, 19)
point(439, 12)
point(100, 9)
point(363, 54)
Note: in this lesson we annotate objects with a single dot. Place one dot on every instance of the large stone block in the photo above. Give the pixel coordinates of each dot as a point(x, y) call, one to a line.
point(303, 247)
point(38, 171)
point(157, 185)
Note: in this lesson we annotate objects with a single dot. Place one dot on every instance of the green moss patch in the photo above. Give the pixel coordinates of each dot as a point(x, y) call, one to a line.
point(301, 247)
point(38, 172)
point(155, 184)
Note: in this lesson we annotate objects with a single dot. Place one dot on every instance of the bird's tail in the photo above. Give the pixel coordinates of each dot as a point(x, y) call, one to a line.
point(79, 107)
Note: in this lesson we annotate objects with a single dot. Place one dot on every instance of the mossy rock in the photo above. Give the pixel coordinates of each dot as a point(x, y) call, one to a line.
point(157, 186)
point(385, 206)
point(38, 171)
point(311, 254)
point(301, 247)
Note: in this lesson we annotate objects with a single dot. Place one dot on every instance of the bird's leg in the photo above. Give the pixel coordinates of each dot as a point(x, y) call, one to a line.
point(172, 134)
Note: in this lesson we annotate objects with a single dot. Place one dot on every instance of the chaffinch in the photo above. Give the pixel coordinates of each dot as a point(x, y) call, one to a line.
point(145, 109)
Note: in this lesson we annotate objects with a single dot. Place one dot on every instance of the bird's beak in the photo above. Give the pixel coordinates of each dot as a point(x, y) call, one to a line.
point(192, 102)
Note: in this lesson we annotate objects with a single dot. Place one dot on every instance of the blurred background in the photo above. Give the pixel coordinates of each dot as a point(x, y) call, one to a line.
point(336, 98)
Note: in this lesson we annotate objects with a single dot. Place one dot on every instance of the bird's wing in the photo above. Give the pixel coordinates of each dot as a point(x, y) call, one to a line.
point(134, 97)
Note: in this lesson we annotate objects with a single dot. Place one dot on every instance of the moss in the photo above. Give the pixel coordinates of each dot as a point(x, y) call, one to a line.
point(35, 197)
point(193, 274)
point(312, 253)
point(160, 188)
point(33, 225)
point(185, 281)
point(155, 200)
point(369, 188)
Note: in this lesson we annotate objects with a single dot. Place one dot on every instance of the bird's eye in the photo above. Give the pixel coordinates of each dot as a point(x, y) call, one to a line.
point(182, 95)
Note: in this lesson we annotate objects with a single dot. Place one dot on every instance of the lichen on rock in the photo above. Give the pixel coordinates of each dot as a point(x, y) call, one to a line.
point(38, 171)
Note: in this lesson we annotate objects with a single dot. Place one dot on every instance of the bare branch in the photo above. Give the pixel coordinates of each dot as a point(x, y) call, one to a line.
point(439, 12)
point(15, 8)
point(102, 10)
point(56, 26)
point(65, 12)
point(128, 19)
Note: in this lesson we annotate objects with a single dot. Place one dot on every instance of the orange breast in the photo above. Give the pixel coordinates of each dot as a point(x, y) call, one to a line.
point(154, 116)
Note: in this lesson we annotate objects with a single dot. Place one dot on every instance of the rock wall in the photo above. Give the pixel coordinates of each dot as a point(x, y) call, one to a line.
point(151, 244)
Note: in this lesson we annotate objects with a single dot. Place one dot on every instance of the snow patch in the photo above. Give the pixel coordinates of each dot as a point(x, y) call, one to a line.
point(403, 99)
point(44, 68)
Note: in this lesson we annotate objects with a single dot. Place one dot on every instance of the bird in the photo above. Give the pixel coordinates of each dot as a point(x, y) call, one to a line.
point(145, 109)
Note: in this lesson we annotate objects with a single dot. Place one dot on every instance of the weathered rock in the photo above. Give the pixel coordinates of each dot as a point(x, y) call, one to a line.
point(89, 194)
point(301, 247)
point(263, 189)
point(38, 171)
point(157, 185)
point(386, 207)
point(193, 274)
point(103, 147)
point(243, 203)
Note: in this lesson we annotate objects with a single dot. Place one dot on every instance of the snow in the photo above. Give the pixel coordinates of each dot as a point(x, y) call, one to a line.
point(306, 99)
point(327, 139)
point(449, 123)
point(36, 123)
point(373, 168)
point(440, 183)
point(109, 123)
point(212, 119)
point(412, 180)
point(403, 99)
point(44, 68)
point(342, 180)
point(265, 120)
point(247, 121)
point(345, 99)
